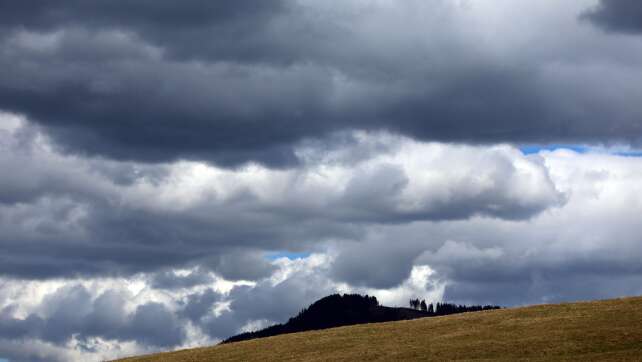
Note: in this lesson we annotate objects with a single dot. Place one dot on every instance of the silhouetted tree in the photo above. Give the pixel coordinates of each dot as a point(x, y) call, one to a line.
point(424, 307)
point(414, 303)
point(431, 310)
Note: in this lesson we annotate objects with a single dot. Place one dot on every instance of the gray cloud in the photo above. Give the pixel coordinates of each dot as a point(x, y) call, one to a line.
point(623, 16)
point(153, 324)
point(242, 264)
point(487, 276)
point(37, 352)
point(379, 264)
point(269, 302)
point(247, 81)
point(197, 305)
point(195, 28)
point(170, 280)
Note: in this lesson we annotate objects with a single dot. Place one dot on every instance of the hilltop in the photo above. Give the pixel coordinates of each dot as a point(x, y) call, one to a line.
point(348, 309)
point(587, 331)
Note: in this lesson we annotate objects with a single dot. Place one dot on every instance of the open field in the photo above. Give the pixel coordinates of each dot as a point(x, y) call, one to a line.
point(588, 331)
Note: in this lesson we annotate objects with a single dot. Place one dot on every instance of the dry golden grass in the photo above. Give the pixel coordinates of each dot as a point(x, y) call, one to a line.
point(589, 331)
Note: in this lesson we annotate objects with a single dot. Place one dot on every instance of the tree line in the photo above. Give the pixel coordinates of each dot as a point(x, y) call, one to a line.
point(447, 308)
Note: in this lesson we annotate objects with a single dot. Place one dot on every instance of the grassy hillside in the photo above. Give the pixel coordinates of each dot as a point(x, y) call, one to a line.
point(589, 331)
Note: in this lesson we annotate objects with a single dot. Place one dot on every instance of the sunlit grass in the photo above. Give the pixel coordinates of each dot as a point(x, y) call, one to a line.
point(588, 331)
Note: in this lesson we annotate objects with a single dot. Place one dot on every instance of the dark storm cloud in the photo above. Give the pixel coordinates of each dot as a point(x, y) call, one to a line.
point(101, 74)
point(231, 82)
point(624, 16)
point(193, 28)
point(142, 109)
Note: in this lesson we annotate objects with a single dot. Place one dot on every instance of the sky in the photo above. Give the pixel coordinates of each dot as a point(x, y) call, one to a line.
point(173, 173)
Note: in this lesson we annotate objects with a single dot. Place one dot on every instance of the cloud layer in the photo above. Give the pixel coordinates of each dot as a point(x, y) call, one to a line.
point(247, 81)
point(67, 215)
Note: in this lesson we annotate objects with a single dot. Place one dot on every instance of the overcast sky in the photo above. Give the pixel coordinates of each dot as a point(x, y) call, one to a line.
point(174, 172)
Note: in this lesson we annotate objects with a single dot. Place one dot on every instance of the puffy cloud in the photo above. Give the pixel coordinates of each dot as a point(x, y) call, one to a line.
point(67, 215)
point(72, 313)
point(96, 319)
point(587, 249)
point(170, 279)
point(83, 320)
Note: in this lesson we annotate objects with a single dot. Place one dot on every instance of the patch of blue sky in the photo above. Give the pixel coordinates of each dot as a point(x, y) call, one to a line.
point(3, 359)
point(615, 150)
point(284, 254)
point(631, 153)
point(532, 149)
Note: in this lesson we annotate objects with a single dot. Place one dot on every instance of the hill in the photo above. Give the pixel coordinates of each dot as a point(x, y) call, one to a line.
point(588, 331)
point(348, 309)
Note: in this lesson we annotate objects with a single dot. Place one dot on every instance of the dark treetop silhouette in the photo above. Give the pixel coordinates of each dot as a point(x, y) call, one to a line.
point(342, 310)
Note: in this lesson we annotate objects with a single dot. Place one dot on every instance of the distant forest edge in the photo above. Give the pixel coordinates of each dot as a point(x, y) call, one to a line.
point(348, 309)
